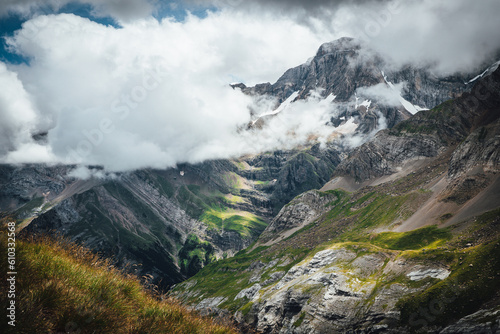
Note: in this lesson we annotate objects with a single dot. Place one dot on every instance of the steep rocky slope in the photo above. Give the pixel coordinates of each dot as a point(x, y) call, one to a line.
point(414, 246)
point(140, 219)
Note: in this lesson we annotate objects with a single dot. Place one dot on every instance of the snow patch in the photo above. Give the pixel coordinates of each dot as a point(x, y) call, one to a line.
point(348, 127)
point(405, 103)
point(329, 99)
point(420, 108)
point(282, 106)
point(488, 71)
point(366, 103)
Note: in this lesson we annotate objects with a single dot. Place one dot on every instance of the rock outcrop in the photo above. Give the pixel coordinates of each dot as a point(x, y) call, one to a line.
point(301, 211)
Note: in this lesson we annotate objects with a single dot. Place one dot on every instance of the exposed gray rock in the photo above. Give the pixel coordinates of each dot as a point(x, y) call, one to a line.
point(320, 259)
point(229, 242)
point(483, 321)
point(258, 268)
point(478, 150)
point(210, 303)
point(301, 211)
point(249, 293)
point(276, 276)
point(369, 264)
point(420, 274)
point(384, 153)
point(302, 172)
point(330, 293)
point(27, 181)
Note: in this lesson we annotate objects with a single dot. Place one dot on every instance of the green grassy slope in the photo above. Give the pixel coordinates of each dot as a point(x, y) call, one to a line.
point(62, 287)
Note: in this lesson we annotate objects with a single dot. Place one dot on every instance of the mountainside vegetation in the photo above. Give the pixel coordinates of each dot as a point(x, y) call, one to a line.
point(146, 217)
point(470, 250)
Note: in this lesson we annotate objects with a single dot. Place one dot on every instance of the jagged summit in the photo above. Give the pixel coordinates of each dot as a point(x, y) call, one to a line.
point(346, 64)
point(342, 44)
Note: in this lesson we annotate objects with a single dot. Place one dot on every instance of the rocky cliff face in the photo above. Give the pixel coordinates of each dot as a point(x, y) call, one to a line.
point(334, 285)
point(479, 149)
point(290, 173)
point(299, 212)
point(342, 66)
point(140, 219)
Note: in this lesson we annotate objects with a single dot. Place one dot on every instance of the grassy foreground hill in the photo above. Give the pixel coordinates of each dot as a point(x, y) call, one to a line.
point(64, 288)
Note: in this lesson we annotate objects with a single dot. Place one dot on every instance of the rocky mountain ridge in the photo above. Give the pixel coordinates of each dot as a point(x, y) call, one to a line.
point(429, 133)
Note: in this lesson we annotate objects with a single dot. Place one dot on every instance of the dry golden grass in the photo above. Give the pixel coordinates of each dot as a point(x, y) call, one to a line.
point(62, 287)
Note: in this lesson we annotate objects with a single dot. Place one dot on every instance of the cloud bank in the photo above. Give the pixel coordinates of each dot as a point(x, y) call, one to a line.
point(445, 36)
point(383, 93)
point(151, 94)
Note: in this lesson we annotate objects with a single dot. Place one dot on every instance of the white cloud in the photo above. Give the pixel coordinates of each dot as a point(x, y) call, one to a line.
point(31, 153)
point(446, 36)
point(85, 173)
point(356, 140)
point(18, 115)
point(151, 94)
point(297, 124)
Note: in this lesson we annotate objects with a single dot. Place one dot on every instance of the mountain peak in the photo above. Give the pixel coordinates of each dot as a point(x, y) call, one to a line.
point(342, 44)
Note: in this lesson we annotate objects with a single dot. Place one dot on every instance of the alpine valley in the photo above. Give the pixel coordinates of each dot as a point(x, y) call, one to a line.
point(391, 226)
